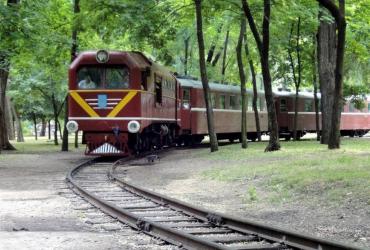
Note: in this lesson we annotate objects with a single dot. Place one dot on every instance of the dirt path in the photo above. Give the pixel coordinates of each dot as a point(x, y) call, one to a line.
point(179, 175)
point(38, 212)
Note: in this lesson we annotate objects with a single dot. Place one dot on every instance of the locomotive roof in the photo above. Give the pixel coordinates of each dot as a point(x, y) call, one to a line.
point(191, 83)
point(136, 59)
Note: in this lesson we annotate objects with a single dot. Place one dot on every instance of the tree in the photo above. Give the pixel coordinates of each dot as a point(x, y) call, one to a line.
point(339, 15)
point(297, 79)
point(263, 49)
point(243, 90)
point(326, 42)
point(254, 86)
point(9, 31)
point(314, 81)
point(203, 72)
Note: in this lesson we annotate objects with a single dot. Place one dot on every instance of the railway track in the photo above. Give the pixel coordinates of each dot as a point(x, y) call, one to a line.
point(176, 222)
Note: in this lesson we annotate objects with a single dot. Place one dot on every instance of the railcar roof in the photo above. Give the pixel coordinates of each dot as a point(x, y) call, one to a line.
point(213, 86)
point(191, 83)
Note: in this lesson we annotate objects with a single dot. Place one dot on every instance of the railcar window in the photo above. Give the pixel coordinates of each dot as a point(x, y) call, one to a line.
point(213, 100)
point(90, 77)
point(308, 105)
point(222, 102)
point(250, 103)
point(351, 107)
point(283, 105)
point(233, 102)
point(262, 104)
point(368, 107)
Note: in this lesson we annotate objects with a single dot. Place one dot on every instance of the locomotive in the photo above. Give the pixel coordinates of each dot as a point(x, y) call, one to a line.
point(124, 103)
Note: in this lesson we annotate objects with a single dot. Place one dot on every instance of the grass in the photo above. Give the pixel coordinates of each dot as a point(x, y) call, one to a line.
point(42, 145)
point(299, 169)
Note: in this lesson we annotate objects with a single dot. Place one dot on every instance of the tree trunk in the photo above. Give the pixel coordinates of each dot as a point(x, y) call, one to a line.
point(263, 48)
point(314, 80)
point(9, 119)
point(297, 80)
point(186, 43)
point(254, 83)
point(18, 123)
point(2, 128)
point(76, 10)
point(55, 111)
point(49, 130)
point(43, 126)
point(203, 71)
point(334, 137)
point(60, 130)
point(65, 131)
point(326, 64)
point(211, 51)
point(223, 69)
point(34, 119)
point(4, 73)
point(243, 90)
point(76, 139)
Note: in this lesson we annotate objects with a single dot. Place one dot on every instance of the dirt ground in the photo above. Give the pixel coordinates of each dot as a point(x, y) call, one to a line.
point(38, 211)
point(178, 175)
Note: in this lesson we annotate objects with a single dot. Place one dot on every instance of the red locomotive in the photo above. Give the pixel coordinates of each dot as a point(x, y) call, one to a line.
point(126, 103)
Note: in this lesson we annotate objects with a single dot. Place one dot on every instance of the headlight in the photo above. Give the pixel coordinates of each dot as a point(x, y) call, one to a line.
point(133, 126)
point(72, 126)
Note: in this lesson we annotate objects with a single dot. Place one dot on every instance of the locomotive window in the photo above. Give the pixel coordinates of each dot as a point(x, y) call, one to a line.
point(222, 101)
point(90, 77)
point(233, 102)
point(116, 78)
point(283, 105)
point(158, 89)
point(186, 98)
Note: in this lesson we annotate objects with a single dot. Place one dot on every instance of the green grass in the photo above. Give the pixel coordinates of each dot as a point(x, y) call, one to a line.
point(299, 169)
point(42, 145)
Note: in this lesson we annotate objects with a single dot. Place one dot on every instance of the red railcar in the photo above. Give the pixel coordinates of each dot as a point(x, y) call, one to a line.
point(125, 103)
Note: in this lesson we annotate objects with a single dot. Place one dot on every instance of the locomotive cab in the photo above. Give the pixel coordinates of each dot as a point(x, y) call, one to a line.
point(116, 97)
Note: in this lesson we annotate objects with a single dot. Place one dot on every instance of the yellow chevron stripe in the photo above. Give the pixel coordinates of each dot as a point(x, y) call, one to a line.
point(122, 104)
point(83, 104)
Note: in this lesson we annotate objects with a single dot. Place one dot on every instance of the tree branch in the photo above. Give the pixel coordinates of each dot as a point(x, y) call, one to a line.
point(252, 25)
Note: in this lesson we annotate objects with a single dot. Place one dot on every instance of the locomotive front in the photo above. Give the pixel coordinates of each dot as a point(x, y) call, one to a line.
point(104, 100)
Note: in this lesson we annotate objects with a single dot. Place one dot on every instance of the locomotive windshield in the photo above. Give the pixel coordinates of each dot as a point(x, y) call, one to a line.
point(92, 77)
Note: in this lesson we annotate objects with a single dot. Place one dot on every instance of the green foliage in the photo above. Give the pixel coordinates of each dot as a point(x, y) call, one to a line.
point(35, 38)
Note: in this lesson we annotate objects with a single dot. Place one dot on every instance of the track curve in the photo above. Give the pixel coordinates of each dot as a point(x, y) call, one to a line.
point(177, 222)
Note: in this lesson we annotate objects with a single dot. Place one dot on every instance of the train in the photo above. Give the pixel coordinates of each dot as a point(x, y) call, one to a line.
point(125, 103)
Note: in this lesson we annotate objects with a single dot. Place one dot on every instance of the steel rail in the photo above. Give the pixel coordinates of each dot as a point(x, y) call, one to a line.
point(274, 234)
point(152, 228)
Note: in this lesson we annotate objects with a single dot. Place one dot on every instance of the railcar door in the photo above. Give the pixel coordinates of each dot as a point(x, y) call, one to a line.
point(186, 108)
